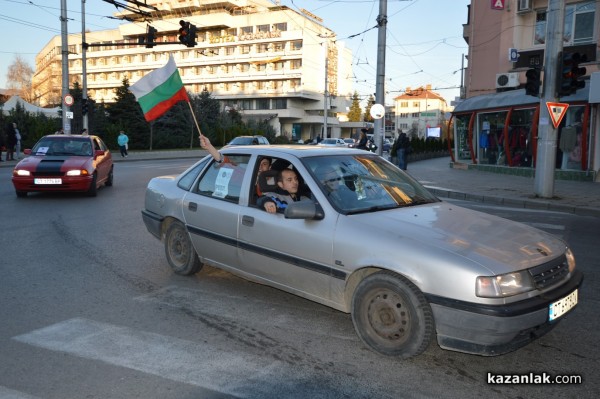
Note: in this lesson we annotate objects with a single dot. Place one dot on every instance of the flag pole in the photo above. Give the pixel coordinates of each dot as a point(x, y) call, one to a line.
point(194, 116)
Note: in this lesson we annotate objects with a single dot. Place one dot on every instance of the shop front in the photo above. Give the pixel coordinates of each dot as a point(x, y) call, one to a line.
point(498, 133)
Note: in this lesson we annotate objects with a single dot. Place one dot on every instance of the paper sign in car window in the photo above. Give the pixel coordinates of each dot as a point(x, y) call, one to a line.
point(222, 182)
point(42, 150)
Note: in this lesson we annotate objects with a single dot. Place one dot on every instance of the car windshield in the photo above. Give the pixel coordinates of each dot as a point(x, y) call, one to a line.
point(63, 147)
point(358, 183)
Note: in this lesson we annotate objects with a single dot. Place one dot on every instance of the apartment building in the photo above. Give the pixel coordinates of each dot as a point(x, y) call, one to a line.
point(419, 110)
point(265, 60)
point(497, 124)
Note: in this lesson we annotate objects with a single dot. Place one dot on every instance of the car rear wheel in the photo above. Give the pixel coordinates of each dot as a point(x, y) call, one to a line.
point(93, 190)
point(180, 253)
point(392, 316)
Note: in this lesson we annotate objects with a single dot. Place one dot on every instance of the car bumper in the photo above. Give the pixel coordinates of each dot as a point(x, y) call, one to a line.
point(153, 223)
point(495, 330)
point(68, 183)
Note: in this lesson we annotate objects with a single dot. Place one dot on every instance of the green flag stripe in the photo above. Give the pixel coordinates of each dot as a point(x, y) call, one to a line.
point(161, 93)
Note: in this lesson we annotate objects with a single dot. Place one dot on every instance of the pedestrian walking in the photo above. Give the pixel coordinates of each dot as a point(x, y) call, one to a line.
point(123, 142)
point(401, 148)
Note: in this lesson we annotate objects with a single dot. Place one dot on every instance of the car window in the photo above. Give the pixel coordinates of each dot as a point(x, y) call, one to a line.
point(365, 183)
point(224, 180)
point(187, 179)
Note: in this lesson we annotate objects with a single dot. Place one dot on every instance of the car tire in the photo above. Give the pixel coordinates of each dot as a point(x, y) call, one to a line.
point(180, 252)
point(93, 190)
point(391, 315)
point(109, 179)
point(21, 194)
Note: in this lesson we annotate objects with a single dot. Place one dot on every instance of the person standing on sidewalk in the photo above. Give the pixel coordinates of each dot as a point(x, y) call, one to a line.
point(11, 141)
point(18, 143)
point(123, 141)
point(400, 148)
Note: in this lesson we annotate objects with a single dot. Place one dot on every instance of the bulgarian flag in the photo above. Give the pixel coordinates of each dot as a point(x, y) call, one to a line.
point(158, 91)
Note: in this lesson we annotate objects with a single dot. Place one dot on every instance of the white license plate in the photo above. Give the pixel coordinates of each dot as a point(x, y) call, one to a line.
point(47, 181)
point(562, 306)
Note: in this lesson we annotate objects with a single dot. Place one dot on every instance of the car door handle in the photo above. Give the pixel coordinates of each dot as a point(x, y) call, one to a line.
point(192, 206)
point(247, 220)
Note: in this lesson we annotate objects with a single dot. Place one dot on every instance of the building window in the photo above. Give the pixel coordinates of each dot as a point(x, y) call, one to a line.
point(262, 48)
point(296, 45)
point(404, 104)
point(244, 67)
point(261, 67)
point(279, 46)
point(262, 103)
point(280, 103)
point(579, 24)
point(294, 83)
point(278, 66)
point(210, 69)
point(231, 32)
point(295, 64)
point(263, 28)
point(416, 104)
point(229, 50)
point(415, 114)
point(404, 115)
point(245, 49)
point(246, 30)
point(245, 105)
point(261, 85)
point(280, 26)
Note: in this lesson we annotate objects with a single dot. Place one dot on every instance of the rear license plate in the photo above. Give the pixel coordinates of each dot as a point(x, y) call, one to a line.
point(47, 181)
point(562, 306)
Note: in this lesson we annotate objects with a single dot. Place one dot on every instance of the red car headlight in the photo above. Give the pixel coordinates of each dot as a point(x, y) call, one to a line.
point(78, 172)
point(21, 172)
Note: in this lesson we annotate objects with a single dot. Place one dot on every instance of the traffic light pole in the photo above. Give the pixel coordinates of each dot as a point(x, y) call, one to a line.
point(379, 124)
point(65, 65)
point(547, 134)
point(84, 99)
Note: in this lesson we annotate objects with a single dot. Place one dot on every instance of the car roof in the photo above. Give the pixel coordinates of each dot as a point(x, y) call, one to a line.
point(67, 136)
point(298, 151)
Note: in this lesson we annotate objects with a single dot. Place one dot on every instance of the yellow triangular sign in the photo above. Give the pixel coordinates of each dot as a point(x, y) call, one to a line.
point(557, 112)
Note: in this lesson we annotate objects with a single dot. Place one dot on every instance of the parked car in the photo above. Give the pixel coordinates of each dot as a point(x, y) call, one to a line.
point(77, 163)
point(248, 140)
point(372, 242)
point(335, 142)
point(350, 142)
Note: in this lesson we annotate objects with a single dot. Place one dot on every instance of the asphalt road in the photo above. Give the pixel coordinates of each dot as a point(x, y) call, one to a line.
point(90, 309)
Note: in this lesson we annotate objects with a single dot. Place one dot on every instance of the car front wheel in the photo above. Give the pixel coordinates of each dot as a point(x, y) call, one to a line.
point(392, 316)
point(179, 251)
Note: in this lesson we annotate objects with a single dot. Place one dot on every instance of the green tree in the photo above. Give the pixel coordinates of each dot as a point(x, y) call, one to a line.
point(367, 116)
point(207, 111)
point(355, 112)
point(125, 113)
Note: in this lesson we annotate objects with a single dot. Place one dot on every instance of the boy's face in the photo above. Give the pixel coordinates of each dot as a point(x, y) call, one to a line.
point(264, 165)
point(289, 181)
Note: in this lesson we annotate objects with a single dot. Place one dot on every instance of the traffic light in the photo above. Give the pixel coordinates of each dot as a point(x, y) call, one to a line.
point(184, 32)
point(570, 74)
point(150, 36)
point(532, 87)
point(187, 33)
point(84, 106)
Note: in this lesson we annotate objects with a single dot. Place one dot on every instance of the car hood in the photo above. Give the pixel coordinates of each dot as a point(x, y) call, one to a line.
point(53, 163)
point(499, 245)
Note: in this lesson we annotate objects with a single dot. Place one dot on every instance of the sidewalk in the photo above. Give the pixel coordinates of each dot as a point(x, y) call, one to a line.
point(581, 198)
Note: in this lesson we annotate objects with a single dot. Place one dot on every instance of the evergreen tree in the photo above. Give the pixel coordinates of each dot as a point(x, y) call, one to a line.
point(207, 111)
point(367, 117)
point(355, 111)
point(125, 113)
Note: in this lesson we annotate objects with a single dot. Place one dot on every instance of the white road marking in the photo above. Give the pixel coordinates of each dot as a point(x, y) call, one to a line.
point(6, 393)
point(176, 359)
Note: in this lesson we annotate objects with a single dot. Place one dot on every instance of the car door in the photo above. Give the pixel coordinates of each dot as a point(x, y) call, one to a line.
point(294, 255)
point(211, 210)
point(102, 162)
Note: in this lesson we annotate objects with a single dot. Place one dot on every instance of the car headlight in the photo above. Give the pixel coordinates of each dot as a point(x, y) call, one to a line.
point(77, 172)
point(21, 172)
point(570, 260)
point(504, 285)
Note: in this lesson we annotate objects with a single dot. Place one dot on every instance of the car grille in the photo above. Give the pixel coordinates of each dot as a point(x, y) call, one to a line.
point(550, 273)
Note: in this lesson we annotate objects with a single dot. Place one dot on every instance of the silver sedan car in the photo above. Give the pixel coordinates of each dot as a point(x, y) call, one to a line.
point(368, 240)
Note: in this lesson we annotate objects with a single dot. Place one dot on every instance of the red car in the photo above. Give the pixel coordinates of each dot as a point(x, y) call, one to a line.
point(64, 163)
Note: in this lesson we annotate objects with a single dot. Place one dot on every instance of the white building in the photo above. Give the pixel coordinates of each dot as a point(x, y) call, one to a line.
point(419, 109)
point(265, 60)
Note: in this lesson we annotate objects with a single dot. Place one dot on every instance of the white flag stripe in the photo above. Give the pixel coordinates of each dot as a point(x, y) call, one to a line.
point(155, 78)
point(155, 354)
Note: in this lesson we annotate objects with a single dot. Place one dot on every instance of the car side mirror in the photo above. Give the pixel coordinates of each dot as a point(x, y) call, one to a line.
point(98, 153)
point(304, 210)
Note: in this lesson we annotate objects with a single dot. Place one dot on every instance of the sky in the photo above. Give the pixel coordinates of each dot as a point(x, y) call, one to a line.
point(424, 43)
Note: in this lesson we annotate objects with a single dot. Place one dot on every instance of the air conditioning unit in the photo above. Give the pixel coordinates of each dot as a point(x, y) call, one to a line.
point(524, 6)
point(505, 80)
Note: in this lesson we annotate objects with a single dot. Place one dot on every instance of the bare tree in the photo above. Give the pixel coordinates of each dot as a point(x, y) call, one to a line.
point(18, 78)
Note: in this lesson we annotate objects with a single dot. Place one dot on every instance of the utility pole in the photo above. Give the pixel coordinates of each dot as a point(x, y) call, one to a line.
point(379, 125)
point(547, 134)
point(84, 99)
point(65, 65)
point(325, 90)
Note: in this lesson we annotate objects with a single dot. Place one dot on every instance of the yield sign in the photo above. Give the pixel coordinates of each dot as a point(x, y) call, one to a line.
point(557, 112)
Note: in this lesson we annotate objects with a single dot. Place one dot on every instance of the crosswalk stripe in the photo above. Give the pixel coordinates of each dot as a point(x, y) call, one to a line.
point(167, 357)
